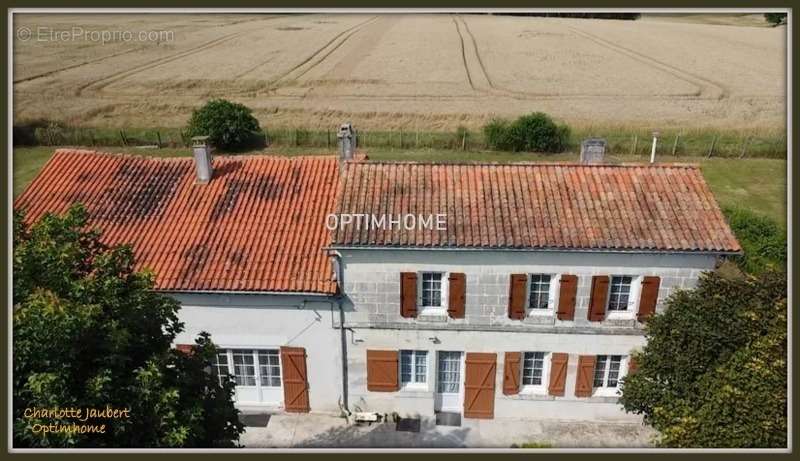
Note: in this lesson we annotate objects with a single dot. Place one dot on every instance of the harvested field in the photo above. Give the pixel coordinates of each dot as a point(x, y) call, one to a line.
point(431, 72)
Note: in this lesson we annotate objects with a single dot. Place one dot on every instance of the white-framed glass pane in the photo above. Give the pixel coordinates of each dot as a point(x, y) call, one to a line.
point(244, 369)
point(613, 371)
point(539, 297)
point(221, 367)
point(619, 292)
point(269, 367)
point(532, 368)
point(421, 367)
point(449, 372)
point(431, 289)
point(405, 366)
point(600, 370)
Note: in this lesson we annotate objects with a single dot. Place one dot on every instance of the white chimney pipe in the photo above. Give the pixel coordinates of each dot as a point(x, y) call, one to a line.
point(202, 149)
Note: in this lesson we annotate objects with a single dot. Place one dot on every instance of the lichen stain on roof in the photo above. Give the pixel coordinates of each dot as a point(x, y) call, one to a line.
point(257, 226)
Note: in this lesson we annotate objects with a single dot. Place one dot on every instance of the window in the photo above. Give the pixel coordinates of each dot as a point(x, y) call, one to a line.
point(413, 367)
point(449, 372)
point(620, 293)
point(249, 366)
point(539, 291)
point(533, 368)
point(607, 371)
point(431, 289)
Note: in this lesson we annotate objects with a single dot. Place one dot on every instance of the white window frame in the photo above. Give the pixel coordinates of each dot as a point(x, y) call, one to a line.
point(256, 364)
point(552, 298)
point(623, 371)
point(633, 298)
point(414, 384)
point(441, 309)
point(532, 388)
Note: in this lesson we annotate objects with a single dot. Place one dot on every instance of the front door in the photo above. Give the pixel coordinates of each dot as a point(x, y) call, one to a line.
point(448, 382)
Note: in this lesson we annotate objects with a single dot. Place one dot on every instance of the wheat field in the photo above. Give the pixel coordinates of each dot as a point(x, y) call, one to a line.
point(392, 71)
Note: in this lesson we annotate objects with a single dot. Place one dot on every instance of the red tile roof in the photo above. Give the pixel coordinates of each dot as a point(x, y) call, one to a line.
point(536, 206)
point(258, 226)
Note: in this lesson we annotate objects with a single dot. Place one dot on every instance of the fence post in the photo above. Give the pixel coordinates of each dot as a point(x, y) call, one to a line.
point(401, 138)
point(464, 141)
point(744, 146)
point(122, 137)
point(416, 138)
point(635, 141)
point(711, 149)
point(329, 137)
point(158, 135)
point(675, 144)
point(296, 141)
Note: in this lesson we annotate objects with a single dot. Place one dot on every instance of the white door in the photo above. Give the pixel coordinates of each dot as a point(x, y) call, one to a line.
point(256, 372)
point(448, 382)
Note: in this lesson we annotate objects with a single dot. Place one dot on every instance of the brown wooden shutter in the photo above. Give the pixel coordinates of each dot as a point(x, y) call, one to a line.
point(566, 297)
point(479, 385)
point(456, 304)
point(185, 348)
point(382, 371)
point(558, 373)
point(597, 302)
point(511, 368)
point(295, 379)
point(408, 294)
point(585, 379)
point(649, 297)
point(516, 296)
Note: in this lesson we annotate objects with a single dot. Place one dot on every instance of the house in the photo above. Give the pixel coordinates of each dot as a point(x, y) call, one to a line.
point(530, 299)
point(478, 290)
point(242, 253)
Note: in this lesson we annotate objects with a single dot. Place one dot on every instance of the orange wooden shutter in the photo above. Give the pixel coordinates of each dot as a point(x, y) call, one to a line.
point(479, 385)
point(457, 296)
point(558, 373)
point(597, 302)
point(511, 367)
point(185, 348)
point(408, 294)
point(295, 379)
point(566, 297)
point(516, 296)
point(649, 297)
point(585, 379)
point(382, 371)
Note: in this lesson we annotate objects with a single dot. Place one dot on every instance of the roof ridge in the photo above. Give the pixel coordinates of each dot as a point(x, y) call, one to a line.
point(71, 151)
point(689, 165)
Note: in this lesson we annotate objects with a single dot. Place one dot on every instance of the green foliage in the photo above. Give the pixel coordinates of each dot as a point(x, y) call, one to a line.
point(90, 332)
point(713, 371)
point(775, 18)
point(535, 132)
point(534, 445)
point(763, 241)
point(228, 125)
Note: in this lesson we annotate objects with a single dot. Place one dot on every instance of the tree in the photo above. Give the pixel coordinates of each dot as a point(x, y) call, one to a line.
point(534, 132)
point(90, 332)
point(713, 371)
point(763, 241)
point(775, 19)
point(228, 125)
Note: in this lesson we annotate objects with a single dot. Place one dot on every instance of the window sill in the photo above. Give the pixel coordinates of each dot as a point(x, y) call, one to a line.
point(433, 315)
point(543, 397)
point(540, 319)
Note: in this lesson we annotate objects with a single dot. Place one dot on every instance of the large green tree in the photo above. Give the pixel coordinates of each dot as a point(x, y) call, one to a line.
point(713, 371)
point(90, 332)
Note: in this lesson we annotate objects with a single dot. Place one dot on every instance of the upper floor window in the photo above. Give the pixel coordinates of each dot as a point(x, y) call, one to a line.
point(413, 367)
point(539, 297)
point(607, 371)
point(431, 289)
point(619, 293)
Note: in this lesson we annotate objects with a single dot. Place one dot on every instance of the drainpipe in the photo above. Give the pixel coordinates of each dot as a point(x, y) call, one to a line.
point(342, 331)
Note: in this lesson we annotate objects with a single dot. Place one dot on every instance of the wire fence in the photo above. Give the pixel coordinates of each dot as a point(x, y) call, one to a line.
point(677, 143)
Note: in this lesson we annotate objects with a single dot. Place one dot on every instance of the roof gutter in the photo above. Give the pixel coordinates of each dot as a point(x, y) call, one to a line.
point(235, 292)
point(529, 250)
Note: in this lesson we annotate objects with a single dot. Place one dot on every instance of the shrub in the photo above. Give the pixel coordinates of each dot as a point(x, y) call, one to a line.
point(24, 133)
point(775, 18)
point(228, 125)
point(763, 241)
point(535, 132)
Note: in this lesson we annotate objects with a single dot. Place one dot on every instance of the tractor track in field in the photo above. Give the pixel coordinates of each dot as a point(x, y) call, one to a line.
point(75, 66)
point(311, 59)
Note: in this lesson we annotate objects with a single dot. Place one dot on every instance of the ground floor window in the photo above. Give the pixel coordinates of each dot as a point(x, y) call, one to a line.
point(607, 371)
point(533, 368)
point(449, 372)
point(413, 367)
point(249, 366)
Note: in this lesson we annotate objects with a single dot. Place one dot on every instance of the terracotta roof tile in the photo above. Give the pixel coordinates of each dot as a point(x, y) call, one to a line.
point(258, 226)
point(544, 206)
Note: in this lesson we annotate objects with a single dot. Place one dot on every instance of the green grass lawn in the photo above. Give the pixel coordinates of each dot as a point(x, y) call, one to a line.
point(758, 184)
